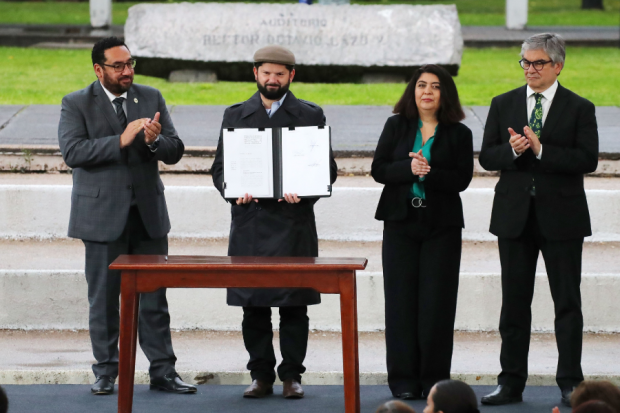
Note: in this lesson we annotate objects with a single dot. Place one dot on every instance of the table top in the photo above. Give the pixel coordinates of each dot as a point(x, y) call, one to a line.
point(202, 262)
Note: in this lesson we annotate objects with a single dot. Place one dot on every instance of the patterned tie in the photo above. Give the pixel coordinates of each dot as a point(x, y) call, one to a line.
point(537, 114)
point(120, 113)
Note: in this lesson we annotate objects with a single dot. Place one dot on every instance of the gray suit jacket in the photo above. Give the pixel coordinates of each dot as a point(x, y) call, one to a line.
point(104, 176)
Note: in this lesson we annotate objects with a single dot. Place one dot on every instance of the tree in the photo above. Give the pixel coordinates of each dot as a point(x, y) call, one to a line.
point(592, 4)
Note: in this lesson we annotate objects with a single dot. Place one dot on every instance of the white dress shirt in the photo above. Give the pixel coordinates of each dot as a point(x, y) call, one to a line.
point(112, 96)
point(275, 106)
point(546, 101)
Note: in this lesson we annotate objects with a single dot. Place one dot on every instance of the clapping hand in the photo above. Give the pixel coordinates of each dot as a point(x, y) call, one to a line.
point(152, 129)
point(518, 142)
point(533, 140)
point(419, 164)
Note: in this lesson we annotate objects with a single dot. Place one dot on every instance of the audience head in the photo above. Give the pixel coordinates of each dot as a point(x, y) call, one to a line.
point(596, 390)
point(431, 90)
point(395, 406)
point(451, 396)
point(4, 401)
point(594, 406)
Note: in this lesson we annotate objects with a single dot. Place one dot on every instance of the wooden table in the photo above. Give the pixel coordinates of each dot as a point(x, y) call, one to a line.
point(148, 273)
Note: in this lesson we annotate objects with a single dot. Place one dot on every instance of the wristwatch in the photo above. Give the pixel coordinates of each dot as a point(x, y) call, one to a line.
point(153, 147)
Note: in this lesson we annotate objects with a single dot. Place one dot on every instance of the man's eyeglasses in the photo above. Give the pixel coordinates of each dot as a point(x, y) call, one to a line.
point(119, 67)
point(538, 65)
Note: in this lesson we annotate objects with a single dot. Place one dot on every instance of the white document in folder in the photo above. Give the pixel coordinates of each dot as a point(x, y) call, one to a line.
point(305, 161)
point(248, 163)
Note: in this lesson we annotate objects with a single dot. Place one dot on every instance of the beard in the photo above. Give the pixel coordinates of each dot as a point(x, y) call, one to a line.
point(115, 86)
point(273, 94)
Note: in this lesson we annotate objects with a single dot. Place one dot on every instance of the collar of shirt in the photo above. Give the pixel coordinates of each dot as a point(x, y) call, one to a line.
point(547, 94)
point(275, 106)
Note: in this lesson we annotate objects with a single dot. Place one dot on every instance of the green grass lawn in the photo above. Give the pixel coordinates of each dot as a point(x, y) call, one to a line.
point(39, 76)
point(471, 12)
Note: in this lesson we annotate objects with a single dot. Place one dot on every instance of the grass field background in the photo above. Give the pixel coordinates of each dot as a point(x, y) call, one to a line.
point(471, 12)
point(39, 76)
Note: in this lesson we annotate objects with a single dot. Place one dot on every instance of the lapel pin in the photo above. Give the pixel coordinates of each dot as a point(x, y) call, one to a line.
point(135, 100)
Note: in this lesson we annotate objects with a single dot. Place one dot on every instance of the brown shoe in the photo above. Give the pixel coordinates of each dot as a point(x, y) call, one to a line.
point(258, 389)
point(292, 389)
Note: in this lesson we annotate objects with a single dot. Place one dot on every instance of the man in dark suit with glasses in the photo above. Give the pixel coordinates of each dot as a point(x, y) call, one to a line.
point(113, 133)
point(543, 138)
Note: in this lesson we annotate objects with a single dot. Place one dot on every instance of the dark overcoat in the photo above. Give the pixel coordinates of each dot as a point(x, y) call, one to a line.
point(270, 228)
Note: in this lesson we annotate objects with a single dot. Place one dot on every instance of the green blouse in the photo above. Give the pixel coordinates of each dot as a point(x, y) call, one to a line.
point(417, 190)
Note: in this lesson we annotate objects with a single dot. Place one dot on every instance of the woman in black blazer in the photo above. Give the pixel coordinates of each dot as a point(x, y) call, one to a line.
point(425, 158)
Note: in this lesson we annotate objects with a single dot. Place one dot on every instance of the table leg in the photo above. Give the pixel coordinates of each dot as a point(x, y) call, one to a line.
point(350, 355)
point(127, 343)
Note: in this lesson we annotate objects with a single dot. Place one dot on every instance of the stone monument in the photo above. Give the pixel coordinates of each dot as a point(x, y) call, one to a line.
point(331, 44)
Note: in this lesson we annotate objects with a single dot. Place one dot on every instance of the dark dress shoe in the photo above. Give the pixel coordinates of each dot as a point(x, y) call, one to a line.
point(292, 389)
point(566, 393)
point(258, 389)
point(172, 383)
point(407, 396)
point(502, 395)
point(103, 385)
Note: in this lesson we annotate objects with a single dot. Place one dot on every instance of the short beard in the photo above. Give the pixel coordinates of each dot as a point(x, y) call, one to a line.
point(115, 88)
point(273, 95)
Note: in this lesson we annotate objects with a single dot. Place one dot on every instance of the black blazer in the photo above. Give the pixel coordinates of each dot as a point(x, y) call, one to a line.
point(570, 149)
point(452, 166)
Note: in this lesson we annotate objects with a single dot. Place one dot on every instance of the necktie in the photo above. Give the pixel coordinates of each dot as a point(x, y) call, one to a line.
point(120, 113)
point(537, 114)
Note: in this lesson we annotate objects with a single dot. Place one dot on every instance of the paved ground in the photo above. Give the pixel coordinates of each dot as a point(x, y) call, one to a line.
point(485, 36)
point(225, 399)
point(476, 356)
point(354, 128)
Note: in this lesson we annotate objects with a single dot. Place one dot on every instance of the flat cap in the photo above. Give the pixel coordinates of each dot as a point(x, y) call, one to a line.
point(274, 54)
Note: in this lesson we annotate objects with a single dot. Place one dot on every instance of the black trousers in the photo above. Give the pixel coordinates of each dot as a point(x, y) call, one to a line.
point(421, 278)
point(563, 262)
point(258, 339)
point(104, 288)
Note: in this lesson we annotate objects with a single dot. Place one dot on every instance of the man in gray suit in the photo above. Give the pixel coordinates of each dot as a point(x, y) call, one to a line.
point(113, 133)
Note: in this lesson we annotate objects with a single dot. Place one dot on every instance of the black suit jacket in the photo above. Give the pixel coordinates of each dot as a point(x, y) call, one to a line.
point(570, 149)
point(452, 166)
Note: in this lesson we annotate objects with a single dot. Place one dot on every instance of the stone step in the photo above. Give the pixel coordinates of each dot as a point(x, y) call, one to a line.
point(38, 206)
point(199, 160)
point(42, 286)
point(29, 136)
point(219, 357)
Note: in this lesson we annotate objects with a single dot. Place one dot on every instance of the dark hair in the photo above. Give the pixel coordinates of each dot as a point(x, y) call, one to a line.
point(395, 406)
point(288, 67)
point(98, 54)
point(597, 390)
point(454, 396)
point(450, 110)
point(4, 401)
point(594, 406)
